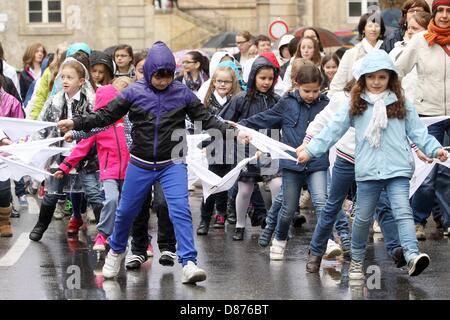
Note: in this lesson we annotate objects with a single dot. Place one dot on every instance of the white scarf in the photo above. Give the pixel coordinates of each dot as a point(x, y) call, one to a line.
point(219, 99)
point(368, 47)
point(379, 118)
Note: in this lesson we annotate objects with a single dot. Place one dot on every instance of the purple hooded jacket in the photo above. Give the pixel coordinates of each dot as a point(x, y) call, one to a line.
point(155, 114)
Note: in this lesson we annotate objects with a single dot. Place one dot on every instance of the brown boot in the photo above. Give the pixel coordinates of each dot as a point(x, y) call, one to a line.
point(313, 264)
point(5, 223)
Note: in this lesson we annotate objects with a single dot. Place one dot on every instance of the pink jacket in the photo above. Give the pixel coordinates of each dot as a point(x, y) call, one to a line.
point(113, 154)
point(9, 106)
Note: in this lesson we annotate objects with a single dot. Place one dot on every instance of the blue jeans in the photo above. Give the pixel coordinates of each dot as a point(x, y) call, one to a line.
point(342, 179)
point(112, 190)
point(367, 195)
point(91, 185)
point(135, 190)
point(436, 184)
point(292, 186)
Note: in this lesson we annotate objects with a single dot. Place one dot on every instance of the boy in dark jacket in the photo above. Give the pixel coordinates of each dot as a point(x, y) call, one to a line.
point(157, 106)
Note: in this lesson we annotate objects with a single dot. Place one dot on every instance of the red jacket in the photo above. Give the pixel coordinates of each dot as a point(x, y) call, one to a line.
point(113, 154)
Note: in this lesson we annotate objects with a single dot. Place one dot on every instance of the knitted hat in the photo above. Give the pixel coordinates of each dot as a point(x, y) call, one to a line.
point(437, 3)
point(98, 57)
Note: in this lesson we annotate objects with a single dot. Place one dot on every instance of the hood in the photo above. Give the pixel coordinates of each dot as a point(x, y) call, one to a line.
point(373, 61)
point(159, 57)
point(263, 62)
point(105, 95)
point(285, 40)
point(215, 60)
point(99, 57)
point(78, 46)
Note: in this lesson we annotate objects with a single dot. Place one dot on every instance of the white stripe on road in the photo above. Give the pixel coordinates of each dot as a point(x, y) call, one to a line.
point(14, 254)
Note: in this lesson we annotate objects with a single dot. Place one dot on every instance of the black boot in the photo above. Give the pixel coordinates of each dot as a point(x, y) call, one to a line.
point(313, 264)
point(239, 234)
point(45, 217)
point(231, 211)
point(97, 209)
point(203, 227)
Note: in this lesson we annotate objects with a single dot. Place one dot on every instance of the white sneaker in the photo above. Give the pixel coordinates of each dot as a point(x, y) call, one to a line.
point(356, 270)
point(192, 273)
point(23, 202)
point(60, 210)
point(305, 200)
point(333, 250)
point(112, 264)
point(376, 227)
point(277, 249)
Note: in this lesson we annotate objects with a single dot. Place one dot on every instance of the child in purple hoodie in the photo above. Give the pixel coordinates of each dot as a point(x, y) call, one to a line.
point(157, 106)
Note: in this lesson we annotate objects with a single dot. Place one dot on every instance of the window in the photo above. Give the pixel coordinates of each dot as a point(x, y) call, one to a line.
point(356, 8)
point(44, 11)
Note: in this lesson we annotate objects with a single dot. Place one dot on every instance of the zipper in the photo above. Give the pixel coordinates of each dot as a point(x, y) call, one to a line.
point(118, 148)
point(445, 83)
point(155, 139)
point(106, 163)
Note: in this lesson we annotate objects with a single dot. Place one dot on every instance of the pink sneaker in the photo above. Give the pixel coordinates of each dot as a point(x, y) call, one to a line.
point(150, 250)
point(100, 242)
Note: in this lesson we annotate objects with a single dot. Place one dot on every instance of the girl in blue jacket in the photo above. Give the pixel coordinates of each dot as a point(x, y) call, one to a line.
point(292, 114)
point(384, 123)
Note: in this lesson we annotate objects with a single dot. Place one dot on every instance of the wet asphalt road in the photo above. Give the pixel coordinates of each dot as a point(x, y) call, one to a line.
point(62, 268)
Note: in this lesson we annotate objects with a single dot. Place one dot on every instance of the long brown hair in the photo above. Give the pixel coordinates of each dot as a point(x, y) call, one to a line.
point(28, 56)
point(359, 105)
point(316, 57)
point(235, 89)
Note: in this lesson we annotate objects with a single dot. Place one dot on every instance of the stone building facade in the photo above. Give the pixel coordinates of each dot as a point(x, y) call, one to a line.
point(103, 23)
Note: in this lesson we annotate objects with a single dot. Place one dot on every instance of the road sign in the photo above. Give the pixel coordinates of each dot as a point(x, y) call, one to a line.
point(278, 28)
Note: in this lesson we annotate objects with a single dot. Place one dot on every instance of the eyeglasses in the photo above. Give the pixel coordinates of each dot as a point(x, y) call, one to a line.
point(187, 62)
point(415, 10)
point(223, 81)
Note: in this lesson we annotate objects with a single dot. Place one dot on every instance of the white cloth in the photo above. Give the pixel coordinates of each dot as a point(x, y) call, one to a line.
point(263, 143)
point(27, 159)
point(212, 183)
point(421, 172)
point(379, 119)
point(13, 169)
point(368, 47)
point(16, 128)
point(10, 72)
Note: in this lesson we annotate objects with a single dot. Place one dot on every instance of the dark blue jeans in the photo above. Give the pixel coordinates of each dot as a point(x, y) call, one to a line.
point(5, 193)
point(437, 184)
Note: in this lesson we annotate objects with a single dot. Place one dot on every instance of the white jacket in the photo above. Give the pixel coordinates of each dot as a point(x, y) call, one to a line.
point(344, 73)
point(409, 82)
point(433, 75)
point(346, 145)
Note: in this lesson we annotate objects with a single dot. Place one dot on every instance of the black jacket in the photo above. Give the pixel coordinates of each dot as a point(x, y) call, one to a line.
point(158, 117)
